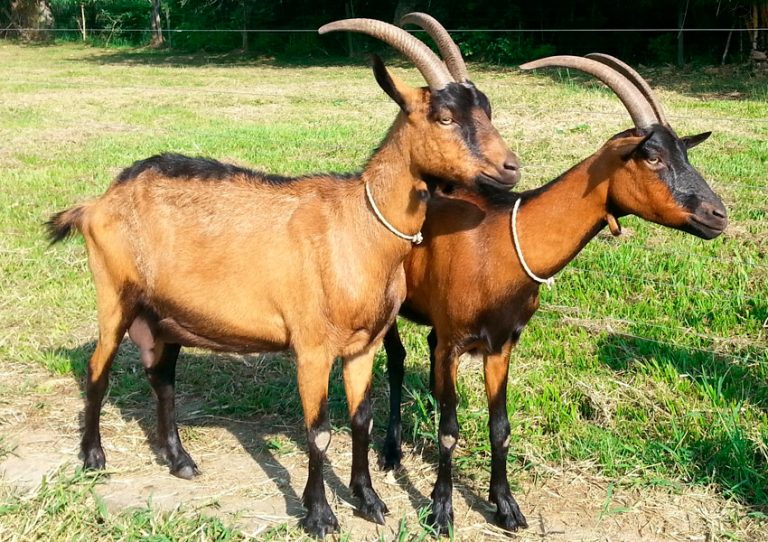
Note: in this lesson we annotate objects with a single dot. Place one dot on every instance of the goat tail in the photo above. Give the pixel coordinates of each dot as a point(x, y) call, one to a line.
point(62, 224)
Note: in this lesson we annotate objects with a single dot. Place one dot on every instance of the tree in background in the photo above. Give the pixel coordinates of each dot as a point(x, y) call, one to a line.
point(517, 30)
point(155, 24)
point(26, 19)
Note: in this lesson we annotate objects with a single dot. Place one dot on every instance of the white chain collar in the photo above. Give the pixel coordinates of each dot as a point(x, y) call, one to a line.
point(551, 280)
point(416, 239)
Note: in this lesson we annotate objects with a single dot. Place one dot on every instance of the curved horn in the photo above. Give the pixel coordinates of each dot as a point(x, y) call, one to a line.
point(448, 48)
point(636, 78)
point(638, 107)
point(423, 58)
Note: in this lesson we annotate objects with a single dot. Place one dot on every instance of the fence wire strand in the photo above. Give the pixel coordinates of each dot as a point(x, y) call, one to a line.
point(452, 30)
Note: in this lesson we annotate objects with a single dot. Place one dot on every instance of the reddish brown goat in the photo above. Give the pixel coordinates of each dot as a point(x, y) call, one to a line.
point(468, 280)
point(193, 252)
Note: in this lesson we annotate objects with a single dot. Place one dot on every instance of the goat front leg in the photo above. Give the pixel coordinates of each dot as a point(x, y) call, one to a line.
point(508, 515)
point(445, 367)
point(313, 372)
point(357, 384)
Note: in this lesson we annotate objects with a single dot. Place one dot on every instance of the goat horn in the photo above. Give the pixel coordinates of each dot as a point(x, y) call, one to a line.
point(638, 107)
point(448, 48)
point(424, 59)
point(636, 78)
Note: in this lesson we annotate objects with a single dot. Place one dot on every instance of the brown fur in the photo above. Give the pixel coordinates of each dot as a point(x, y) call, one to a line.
point(244, 265)
point(467, 282)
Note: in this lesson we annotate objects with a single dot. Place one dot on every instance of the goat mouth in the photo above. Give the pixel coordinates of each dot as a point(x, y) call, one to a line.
point(493, 182)
point(705, 229)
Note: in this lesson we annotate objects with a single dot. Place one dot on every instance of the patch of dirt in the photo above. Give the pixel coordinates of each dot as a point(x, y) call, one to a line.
point(253, 473)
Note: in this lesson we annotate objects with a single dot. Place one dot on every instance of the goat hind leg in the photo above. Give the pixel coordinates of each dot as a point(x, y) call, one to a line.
point(391, 453)
point(357, 384)
point(112, 326)
point(159, 360)
point(508, 515)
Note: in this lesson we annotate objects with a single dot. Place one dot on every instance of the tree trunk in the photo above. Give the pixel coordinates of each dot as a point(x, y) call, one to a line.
point(403, 7)
point(246, 18)
point(682, 11)
point(33, 16)
point(82, 22)
point(349, 11)
point(156, 25)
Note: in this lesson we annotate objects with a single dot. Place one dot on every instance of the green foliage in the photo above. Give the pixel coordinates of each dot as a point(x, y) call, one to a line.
point(662, 48)
point(217, 25)
point(496, 48)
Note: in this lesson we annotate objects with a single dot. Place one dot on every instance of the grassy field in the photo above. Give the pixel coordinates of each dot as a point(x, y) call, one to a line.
point(646, 368)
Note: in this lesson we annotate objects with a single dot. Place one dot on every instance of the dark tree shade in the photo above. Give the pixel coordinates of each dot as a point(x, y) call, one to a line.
point(503, 19)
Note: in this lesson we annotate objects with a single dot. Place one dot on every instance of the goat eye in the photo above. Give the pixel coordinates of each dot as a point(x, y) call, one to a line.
point(654, 160)
point(445, 121)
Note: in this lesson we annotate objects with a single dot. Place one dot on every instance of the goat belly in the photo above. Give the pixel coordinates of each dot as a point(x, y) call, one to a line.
point(170, 330)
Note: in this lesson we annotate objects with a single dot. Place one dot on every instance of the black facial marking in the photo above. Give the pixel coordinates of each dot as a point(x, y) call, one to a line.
point(685, 183)
point(460, 100)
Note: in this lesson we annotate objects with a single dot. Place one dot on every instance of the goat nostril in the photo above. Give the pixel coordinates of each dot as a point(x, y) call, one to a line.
point(718, 213)
point(512, 166)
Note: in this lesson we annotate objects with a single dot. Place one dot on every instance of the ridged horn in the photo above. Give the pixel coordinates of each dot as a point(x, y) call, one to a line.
point(630, 73)
point(638, 107)
point(431, 68)
point(448, 49)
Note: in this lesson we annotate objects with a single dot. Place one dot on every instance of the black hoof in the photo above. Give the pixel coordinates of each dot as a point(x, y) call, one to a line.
point(184, 467)
point(187, 472)
point(320, 521)
point(371, 506)
point(441, 518)
point(94, 459)
point(391, 455)
point(508, 515)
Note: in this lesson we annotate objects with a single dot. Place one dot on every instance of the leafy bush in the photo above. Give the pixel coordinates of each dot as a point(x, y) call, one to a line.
point(501, 49)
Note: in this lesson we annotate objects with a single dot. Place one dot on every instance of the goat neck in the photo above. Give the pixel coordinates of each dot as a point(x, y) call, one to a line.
point(557, 220)
point(399, 191)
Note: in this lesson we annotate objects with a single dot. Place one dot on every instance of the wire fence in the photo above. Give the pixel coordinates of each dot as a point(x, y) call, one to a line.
point(454, 30)
point(739, 349)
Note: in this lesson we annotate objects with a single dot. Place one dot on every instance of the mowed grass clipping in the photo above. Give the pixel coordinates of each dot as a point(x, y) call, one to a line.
point(647, 363)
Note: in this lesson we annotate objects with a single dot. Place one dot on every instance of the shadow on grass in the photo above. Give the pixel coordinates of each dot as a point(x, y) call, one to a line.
point(253, 397)
point(717, 448)
point(171, 58)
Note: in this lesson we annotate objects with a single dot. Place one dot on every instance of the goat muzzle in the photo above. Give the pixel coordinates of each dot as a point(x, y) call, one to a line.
point(708, 220)
point(502, 177)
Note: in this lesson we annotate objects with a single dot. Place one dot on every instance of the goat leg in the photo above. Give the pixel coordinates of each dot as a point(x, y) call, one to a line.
point(391, 453)
point(159, 360)
point(445, 369)
point(113, 318)
point(508, 515)
point(357, 384)
point(313, 388)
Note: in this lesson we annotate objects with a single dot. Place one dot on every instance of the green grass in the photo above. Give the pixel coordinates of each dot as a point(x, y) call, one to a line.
point(647, 361)
point(67, 507)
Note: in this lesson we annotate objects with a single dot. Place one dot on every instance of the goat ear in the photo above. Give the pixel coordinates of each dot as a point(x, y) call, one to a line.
point(395, 89)
point(635, 146)
point(691, 141)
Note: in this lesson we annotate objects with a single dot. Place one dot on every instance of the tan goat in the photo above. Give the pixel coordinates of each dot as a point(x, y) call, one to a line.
point(193, 252)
